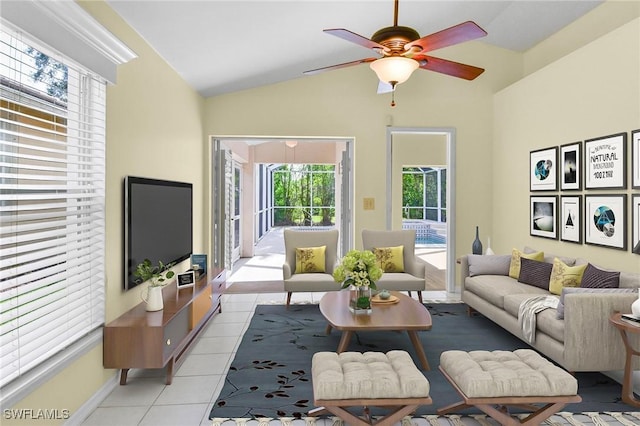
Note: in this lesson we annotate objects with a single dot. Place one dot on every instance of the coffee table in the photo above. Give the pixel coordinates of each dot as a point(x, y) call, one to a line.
point(407, 315)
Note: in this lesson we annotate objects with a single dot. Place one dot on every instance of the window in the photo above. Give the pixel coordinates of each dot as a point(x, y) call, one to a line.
point(52, 195)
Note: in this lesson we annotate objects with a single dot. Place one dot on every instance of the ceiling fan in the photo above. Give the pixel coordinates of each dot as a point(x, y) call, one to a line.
point(403, 51)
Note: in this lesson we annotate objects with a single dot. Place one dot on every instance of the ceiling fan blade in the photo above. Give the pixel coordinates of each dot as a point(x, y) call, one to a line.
point(338, 66)
point(444, 66)
point(356, 38)
point(384, 87)
point(457, 34)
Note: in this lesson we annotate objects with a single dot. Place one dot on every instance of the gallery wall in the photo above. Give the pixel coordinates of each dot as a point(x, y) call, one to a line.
point(590, 93)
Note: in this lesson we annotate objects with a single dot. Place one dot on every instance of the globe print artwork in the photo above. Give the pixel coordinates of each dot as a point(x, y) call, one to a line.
point(605, 220)
point(543, 169)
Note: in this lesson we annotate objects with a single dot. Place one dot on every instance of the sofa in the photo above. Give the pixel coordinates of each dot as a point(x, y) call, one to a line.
point(575, 333)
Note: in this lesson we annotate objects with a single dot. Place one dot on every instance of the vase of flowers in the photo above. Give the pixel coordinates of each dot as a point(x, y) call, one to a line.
point(358, 271)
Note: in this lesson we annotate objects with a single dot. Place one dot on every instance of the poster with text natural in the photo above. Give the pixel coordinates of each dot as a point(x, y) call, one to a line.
point(605, 162)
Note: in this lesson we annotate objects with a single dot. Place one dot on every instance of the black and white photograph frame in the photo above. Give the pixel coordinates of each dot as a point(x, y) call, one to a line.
point(605, 220)
point(605, 162)
point(543, 169)
point(635, 159)
point(571, 219)
point(544, 216)
point(635, 229)
point(186, 279)
point(570, 173)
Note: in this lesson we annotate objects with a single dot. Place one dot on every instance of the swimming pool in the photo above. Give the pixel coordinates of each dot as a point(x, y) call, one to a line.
point(431, 239)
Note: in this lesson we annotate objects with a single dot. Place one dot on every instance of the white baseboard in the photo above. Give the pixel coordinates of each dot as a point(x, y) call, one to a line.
point(78, 417)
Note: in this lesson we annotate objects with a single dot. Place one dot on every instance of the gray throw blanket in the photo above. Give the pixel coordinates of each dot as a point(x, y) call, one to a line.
point(527, 314)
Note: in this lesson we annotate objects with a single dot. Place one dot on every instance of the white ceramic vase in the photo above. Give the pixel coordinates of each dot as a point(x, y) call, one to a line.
point(153, 298)
point(635, 306)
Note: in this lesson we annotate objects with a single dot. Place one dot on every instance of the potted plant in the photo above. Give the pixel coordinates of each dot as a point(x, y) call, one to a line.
point(358, 271)
point(158, 276)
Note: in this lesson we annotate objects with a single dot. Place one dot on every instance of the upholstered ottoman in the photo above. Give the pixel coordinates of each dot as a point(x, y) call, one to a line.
point(503, 378)
point(370, 379)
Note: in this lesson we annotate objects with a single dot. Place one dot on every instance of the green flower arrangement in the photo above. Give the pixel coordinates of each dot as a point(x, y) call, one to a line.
point(359, 269)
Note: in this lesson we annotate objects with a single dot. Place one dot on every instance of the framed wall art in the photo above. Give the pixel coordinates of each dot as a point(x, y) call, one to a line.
point(543, 169)
point(635, 159)
point(570, 158)
point(604, 220)
point(605, 162)
point(571, 219)
point(635, 233)
point(544, 222)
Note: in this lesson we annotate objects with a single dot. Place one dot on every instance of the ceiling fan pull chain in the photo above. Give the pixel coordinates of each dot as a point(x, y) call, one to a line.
point(393, 98)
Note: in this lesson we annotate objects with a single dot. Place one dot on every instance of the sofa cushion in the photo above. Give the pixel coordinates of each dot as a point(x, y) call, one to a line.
point(494, 288)
point(390, 258)
point(546, 320)
point(629, 280)
point(488, 264)
point(563, 275)
point(535, 273)
point(516, 255)
point(594, 277)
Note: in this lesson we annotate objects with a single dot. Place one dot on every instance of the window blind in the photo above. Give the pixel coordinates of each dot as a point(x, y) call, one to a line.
point(52, 197)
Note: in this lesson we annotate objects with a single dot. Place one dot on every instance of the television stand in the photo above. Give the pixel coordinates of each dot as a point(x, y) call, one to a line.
point(141, 339)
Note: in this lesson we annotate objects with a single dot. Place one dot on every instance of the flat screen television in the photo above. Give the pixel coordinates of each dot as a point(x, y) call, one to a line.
point(158, 223)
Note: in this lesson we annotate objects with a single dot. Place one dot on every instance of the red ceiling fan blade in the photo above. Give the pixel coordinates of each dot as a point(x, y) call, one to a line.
point(448, 37)
point(444, 66)
point(337, 66)
point(356, 38)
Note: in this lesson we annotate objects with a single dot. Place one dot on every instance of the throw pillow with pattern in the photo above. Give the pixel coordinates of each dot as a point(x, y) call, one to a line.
point(535, 273)
point(516, 255)
point(310, 259)
point(391, 259)
point(597, 278)
point(563, 275)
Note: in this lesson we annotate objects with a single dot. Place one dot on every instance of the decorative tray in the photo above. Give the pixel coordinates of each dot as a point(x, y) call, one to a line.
point(390, 301)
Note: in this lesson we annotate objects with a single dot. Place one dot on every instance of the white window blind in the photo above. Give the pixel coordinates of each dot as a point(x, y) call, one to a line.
point(52, 189)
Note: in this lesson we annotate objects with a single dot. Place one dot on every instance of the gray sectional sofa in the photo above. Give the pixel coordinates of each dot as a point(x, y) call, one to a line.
point(582, 340)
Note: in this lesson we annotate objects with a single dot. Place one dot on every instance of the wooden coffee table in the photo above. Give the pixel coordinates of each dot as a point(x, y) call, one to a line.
point(407, 315)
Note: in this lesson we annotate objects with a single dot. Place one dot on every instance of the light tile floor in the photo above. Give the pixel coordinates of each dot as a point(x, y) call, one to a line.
point(146, 400)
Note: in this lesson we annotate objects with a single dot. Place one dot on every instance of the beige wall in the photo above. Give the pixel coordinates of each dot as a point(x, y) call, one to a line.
point(344, 103)
point(592, 92)
point(154, 129)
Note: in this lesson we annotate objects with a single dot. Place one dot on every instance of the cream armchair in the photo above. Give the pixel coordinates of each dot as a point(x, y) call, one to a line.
point(315, 281)
point(413, 277)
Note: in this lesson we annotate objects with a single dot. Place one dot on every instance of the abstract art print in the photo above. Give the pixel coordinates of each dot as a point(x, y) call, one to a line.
point(543, 169)
point(570, 163)
point(544, 217)
point(570, 219)
point(605, 162)
point(604, 220)
point(635, 160)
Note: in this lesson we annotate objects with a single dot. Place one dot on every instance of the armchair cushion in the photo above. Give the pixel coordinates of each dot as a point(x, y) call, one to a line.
point(390, 258)
point(310, 259)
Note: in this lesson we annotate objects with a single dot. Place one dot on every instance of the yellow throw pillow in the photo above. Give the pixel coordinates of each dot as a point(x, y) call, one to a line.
point(391, 259)
point(310, 259)
point(565, 276)
point(514, 266)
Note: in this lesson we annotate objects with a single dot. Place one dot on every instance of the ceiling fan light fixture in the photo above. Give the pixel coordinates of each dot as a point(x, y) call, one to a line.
point(396, 69)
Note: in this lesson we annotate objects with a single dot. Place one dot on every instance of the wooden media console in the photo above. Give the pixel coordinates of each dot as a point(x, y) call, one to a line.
point(141, 339)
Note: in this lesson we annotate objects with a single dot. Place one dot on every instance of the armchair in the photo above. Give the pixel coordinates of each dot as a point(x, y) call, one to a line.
point(413, 277)
point(314, 281)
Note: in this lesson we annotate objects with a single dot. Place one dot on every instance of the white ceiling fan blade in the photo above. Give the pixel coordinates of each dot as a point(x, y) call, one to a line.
point(384, 87)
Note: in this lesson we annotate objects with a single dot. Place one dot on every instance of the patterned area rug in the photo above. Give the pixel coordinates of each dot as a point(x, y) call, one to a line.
point(270, 376)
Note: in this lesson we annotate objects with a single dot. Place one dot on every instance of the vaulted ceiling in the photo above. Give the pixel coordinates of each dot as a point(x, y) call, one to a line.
point(225, 46)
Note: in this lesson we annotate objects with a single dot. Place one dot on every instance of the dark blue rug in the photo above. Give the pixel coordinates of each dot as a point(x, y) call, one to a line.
point(271, 373)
